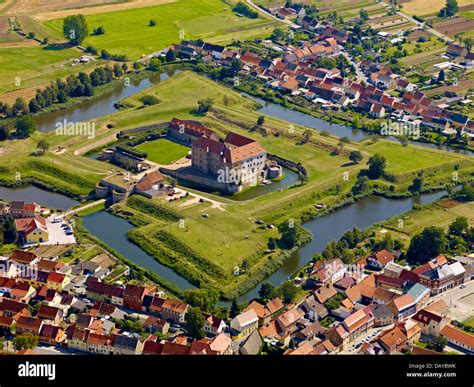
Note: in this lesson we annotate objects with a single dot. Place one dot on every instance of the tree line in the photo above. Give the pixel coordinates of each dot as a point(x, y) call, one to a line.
point(59, 91)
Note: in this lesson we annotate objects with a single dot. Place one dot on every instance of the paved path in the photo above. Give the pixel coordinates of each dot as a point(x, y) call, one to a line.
point(103, 141)
point(85, 206)
point(360, 74)
point(262, 11)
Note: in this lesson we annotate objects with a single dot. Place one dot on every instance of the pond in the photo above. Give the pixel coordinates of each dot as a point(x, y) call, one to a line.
point(289, 179)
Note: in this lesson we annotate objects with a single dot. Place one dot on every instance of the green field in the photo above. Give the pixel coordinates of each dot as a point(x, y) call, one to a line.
point(19, 164)
point(402, 159)
point(418, 47)
point(163, 151)
point(33, 65)
point(468, 14)
point(440, 214)
point(127, 32)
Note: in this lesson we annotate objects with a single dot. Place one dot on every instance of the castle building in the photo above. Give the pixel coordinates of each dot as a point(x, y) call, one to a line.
point(237, 160)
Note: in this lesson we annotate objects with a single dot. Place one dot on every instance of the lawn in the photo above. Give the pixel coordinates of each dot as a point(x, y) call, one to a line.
point(419, 47)
point(65, 172)
point(441, 214)
point(163, 151)
point(469, 322)
point(128, 32)
point(402, 159)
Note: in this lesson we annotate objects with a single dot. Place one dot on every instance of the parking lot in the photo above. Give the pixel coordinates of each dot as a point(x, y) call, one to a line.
point(58, 234)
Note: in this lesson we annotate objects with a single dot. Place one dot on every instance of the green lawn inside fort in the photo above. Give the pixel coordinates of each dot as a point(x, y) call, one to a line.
point(163, 151)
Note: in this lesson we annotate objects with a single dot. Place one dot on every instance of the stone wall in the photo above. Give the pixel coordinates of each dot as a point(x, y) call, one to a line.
point(126, 132)
point(297, 167)
point(197, 178)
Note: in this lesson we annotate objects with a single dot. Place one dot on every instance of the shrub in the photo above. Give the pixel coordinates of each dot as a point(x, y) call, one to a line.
point(149, 100)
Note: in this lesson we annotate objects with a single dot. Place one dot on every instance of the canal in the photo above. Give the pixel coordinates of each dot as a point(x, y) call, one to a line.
point(112, 230)
point(99, 106)
point(362, 214)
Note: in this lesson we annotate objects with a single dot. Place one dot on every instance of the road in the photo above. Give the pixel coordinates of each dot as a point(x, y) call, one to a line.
point(360, 74)
point(262, 11)
point(421, 24)
point(459, 309)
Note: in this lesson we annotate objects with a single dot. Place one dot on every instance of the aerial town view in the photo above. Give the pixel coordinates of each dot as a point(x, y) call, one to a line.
point(236, 177)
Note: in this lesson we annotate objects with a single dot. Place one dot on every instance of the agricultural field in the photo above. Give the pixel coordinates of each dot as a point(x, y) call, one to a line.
point(462, 86)
point(128, 32)
point(39, 6)
point(458, 25)
point(326, 6)
point(6, 34)
point(428, 7)
point(384, 22)
point(424, 60)
point(163, 151)
point(51, 62)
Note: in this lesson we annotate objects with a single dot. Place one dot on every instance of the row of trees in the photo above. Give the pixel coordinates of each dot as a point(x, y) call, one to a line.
point(245, 10)
point(60, 90)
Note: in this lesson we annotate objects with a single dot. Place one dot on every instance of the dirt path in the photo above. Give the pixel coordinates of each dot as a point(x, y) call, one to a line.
point(103, 141)
point(59, 14)
point(461, 86)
